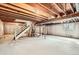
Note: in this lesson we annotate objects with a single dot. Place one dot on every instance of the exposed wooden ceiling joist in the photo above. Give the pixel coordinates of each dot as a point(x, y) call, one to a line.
point(68, 8)
point(39, 7)
point(24, 7)
point(14, 15)
point(12, 22)
point(54, 13)
point(71, 7)
point(1, 7)
point(7, 7)
point(37, 12)
point(65, 17)
point(9, 19)
point(20, 12)
point(4, 8)
point(59, 7)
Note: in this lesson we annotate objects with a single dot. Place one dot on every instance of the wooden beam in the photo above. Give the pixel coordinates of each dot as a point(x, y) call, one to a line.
point(23, 8)
point(68, 16)
point(40, 8)
point(71, 7)
point(59, 7)
point(14, 15)
point(9, 19)
point(5, 19)
point(48, 9)
point(13, 22)
point(10, 11)
point(17, 11)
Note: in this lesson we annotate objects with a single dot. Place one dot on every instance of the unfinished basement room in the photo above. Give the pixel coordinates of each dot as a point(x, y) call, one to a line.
point(39, 28)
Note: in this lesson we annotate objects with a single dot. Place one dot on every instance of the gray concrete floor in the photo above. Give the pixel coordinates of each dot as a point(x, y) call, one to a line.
point(48, 45)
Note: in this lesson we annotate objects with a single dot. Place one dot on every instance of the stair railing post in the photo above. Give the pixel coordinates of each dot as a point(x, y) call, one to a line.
point(15, 33)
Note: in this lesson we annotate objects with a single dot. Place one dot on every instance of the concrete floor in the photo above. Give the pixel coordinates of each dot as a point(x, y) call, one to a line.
point(49, 45)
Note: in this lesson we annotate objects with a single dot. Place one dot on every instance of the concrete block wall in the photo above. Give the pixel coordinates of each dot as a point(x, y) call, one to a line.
point(65, 29)
point(70, 29)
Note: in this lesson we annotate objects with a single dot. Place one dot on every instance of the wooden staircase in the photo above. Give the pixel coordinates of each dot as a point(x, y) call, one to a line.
point(20, 32)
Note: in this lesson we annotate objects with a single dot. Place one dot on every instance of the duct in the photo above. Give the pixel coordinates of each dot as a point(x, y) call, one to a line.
point(73, 19)
point(77, 7)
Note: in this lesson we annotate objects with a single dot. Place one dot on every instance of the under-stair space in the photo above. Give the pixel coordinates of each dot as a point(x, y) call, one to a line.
point(13, 31)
